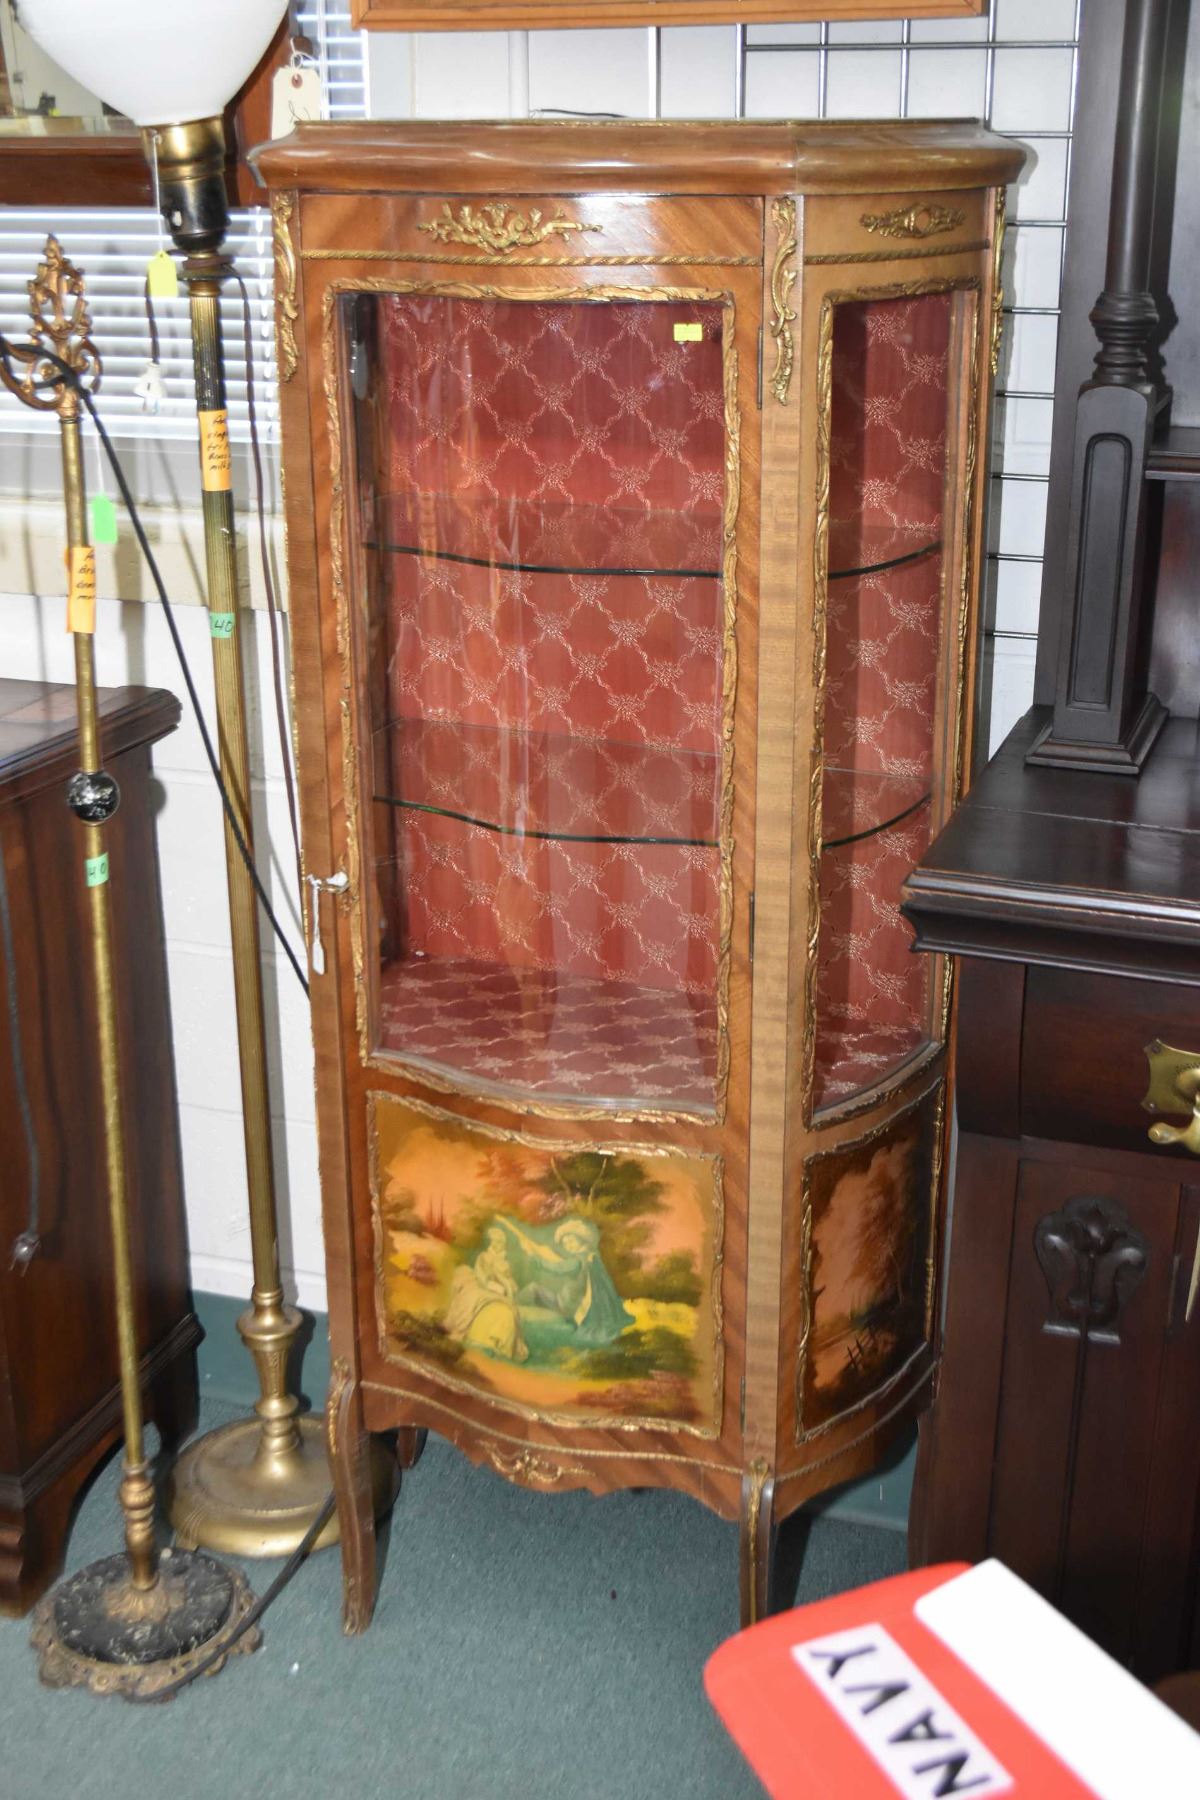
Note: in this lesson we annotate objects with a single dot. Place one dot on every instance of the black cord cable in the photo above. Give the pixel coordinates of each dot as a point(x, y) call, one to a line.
point(67, 377)
point(25, 1246)
point(290, 1568)
point(281, 711)
point(193, 696)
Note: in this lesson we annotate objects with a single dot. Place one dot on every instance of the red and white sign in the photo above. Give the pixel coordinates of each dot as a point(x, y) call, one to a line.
point(949, 1681)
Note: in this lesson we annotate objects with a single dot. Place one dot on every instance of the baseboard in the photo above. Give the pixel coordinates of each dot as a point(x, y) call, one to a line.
point(227, 1373)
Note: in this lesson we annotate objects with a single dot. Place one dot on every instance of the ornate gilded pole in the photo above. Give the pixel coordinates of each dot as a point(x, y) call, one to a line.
point(132, 1623)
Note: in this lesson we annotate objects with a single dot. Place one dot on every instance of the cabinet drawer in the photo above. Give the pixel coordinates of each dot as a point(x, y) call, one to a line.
point(1083, 1065)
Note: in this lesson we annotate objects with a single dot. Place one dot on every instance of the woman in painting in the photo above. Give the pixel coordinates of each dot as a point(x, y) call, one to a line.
point(482, 1309)
point(560, 1267)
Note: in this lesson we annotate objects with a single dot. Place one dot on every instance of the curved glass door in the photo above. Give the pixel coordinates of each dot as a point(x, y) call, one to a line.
point(890, 494)
point(541, 515)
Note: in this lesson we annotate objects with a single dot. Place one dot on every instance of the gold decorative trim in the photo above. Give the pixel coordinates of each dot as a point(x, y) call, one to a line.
point(809, 1469)
point(353, 897)
point(61, 327)
point(914, 1068)
point(968, 284)
point(760, 1474)
point(923, 219)
point(339, 1380)
point(499, 227)
point(648, 260)
point(286, 310)
point(998, 228)
point(527, 1466)
point(627, 1453)
point(846, 1147)
point(783, 279)
point(440, 1082)
point(501, 1134)
point(889, 256)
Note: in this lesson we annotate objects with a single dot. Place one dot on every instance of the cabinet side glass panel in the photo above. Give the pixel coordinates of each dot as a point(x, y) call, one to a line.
point(889, 493)
point(540, 501)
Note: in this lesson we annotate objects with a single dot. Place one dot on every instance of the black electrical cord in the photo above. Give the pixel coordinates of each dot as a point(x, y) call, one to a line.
point(26, 1245)
point(281, 711)
point(216, 1657)
point(67, 377)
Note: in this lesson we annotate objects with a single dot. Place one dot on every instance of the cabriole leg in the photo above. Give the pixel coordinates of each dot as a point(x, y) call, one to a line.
point(757, 1541)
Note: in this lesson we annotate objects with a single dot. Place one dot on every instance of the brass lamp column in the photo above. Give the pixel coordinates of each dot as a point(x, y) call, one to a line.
point(130, 1624)
point(252, 1488)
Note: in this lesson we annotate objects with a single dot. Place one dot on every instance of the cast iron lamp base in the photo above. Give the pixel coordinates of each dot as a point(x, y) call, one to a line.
point(98, 1631)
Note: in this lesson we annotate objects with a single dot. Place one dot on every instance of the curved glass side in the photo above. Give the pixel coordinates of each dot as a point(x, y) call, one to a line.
point(891, 498)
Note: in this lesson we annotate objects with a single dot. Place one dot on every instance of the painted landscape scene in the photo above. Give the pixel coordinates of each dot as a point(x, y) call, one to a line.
point(870, 1242)
point(569, 1281)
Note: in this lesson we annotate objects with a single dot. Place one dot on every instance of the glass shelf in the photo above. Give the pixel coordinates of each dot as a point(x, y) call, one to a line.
point(858, 803)
point(550, 1033)
point(857, 549)
point(549, 537)
point(537, 784)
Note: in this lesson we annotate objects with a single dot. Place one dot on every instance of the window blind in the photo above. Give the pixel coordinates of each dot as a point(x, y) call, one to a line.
point(112, 250)
point(341, 55)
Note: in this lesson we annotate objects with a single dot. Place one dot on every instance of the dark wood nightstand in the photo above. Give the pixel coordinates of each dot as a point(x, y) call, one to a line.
point(59, 1402)
point(1063, 1436)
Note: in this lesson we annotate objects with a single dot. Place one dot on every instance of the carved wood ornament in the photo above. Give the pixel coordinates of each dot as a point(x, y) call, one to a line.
point(1093, 1259)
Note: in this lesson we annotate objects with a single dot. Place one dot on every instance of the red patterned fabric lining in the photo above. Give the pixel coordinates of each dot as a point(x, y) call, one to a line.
point(887, 484)
point(574, 440)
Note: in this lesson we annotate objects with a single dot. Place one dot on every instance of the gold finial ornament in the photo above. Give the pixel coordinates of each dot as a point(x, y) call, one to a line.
point(286, 310)
point(498, 227)
point(60, 324)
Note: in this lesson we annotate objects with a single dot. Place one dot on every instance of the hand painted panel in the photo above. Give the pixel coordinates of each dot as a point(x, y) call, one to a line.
point(869, 1222)
point(573, 1282)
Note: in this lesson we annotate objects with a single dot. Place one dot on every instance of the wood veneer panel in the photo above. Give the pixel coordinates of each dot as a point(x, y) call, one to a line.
point(1071, 1464)
point(666, 157)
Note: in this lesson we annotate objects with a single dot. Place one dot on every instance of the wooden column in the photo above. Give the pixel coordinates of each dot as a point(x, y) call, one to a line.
point(1105, 717)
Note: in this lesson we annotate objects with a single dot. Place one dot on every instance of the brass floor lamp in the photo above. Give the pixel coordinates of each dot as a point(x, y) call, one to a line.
point(137, 1623)
point(252, 1488)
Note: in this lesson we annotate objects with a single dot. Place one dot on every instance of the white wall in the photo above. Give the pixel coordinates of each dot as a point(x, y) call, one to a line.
point(1012, 58)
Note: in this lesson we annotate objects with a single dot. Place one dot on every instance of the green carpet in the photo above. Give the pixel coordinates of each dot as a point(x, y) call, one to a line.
point(524, 1644)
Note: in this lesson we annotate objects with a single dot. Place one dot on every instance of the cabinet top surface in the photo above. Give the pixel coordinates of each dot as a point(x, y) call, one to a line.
point(669, 156)
point(1048, 854)
point(38, 735)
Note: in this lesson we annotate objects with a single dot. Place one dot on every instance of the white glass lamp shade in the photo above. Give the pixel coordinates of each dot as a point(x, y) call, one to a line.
point(160, 62)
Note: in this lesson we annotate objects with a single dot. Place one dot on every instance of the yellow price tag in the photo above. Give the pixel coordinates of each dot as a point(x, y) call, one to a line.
point(216, 472)
point(688, 331)
point(81, 588)
point(162, 277)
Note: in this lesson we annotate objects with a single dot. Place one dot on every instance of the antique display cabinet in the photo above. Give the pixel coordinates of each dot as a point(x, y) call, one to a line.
point(634, 495)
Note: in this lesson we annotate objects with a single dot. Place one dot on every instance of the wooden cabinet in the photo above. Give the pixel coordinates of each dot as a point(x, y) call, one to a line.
point(634, 485)
point(60, 1404)
point(1062, 1438)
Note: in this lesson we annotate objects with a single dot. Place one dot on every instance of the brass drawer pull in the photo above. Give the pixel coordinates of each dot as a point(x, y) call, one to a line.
point(1175, 1087)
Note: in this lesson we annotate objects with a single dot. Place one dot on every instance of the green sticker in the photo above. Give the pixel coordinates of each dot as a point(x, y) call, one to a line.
point(97, 869)
point(104, 520)
point(221, 624)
